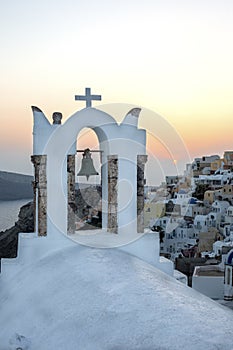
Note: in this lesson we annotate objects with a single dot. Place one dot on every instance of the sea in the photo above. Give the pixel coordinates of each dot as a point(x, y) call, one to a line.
point(9, 211)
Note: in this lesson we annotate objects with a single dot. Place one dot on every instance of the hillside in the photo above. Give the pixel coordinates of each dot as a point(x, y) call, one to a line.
point(15, 186)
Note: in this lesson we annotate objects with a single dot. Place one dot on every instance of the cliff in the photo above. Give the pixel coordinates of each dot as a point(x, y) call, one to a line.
point(15, 186)
point(9, 238)
point(86, 200)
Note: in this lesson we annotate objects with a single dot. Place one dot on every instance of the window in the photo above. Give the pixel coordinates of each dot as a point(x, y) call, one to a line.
point(199, 225)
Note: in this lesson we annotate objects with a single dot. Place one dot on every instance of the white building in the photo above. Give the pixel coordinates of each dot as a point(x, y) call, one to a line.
point(178, 235)
point(203, 162)
point(194, 208)
point(216, 281)
point(217, 247)
point(215, 181)
point(218, 214)
point(201, 223)
point(209, 280)
point(220, 207)
point(228, 232)
point(182, 198)
point(229, 215)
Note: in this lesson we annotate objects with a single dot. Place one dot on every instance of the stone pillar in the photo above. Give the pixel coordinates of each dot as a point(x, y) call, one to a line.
point(71, 194)
point(112, 193)
point(40, 193)
point(34, 187)
point(141, 161)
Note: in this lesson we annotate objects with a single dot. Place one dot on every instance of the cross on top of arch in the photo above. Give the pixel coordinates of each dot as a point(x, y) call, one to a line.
point(88, 97)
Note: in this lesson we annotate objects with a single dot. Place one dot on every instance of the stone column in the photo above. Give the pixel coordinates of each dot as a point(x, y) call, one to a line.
point(34, 187)
point(71, 194)
point(141, 161)
point(40, 193)
point(112, 193)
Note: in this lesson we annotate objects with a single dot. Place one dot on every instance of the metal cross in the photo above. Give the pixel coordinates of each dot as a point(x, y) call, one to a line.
point(88, 97)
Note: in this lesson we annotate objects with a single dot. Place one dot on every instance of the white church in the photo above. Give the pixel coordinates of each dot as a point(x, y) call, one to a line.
point(108, 289)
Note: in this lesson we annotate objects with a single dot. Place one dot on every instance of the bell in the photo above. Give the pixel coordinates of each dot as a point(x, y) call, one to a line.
point(87, 168)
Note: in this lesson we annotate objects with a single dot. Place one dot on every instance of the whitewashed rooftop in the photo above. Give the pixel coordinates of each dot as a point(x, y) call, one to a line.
point(76, 297)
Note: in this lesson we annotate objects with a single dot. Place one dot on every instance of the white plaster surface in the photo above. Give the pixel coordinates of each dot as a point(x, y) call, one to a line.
point(213, 287)
point(144, 246)
point(57, 141)
point(68, 296)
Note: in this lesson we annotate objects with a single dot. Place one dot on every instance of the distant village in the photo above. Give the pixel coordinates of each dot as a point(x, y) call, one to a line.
point(193, 214)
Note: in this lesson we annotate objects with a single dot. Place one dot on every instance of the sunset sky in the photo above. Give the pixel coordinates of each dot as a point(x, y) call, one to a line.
point(173, 57)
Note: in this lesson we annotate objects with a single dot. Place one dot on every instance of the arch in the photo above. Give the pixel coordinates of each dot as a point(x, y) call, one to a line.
point(123, 161)
point(61, 143)
point(72, 210)
point(100, 122)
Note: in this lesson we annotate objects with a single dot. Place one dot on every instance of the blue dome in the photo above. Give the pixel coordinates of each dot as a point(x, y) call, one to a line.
point(229, 260)
point(192, 200)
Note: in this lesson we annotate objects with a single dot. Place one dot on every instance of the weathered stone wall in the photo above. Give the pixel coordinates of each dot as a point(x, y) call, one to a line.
point(40, 192)
point(141, 161)
point(112, 193)
point(71, 194)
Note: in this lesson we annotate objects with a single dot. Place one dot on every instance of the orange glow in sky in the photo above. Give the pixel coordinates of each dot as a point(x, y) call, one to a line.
point(173, 57)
